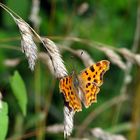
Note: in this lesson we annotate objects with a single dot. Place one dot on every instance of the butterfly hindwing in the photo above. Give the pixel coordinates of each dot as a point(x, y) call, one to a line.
point(91, 79)
point(70, 93)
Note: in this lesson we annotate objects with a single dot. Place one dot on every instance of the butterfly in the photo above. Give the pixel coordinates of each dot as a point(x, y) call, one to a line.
point(83, 87)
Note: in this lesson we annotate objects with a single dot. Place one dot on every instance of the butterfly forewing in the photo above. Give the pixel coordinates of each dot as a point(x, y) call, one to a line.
point(95, 72)
point(70, 93)
point(91, 79)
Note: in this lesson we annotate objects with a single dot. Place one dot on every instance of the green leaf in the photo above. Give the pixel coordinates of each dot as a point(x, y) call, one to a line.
point(3, 120)
point(19, 90)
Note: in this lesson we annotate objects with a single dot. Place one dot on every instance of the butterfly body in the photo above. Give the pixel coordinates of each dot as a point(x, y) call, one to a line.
point(83, 87)
point(75, 79)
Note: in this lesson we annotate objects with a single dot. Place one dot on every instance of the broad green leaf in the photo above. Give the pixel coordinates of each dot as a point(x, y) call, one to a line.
point(3, 120)
point(19, 90)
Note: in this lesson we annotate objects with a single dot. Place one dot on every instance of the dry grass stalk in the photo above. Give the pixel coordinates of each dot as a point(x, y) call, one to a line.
point(137, 59)
point(34, 17)
point(27, 42)
point(46, 60)
point(79, 139)
point(114, 57)
point(129, 56)
point(57, 128)
point(135, 114)
point(59, 72)
point(85, 57)
point(82, 54)
point(108, 104)
point(102, 135)
point(55, 57)
point(11, 62)
point(83, 8)
point(68, 121)
point(55, 62)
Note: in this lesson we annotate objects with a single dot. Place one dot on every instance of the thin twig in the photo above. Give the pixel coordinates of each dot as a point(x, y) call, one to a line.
point(98, 111)
point(129, 65)
point(82, 54)
point(136, 113)
point(34, 16)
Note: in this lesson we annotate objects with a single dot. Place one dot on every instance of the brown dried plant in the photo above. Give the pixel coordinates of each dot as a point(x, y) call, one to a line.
point(54, 58)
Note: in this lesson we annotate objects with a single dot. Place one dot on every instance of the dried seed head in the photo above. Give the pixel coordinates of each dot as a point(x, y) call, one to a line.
point(60, 71)
point(55, 57)
point(46, 60)
point(68, 121)
point(27, 42)
point(30, 50)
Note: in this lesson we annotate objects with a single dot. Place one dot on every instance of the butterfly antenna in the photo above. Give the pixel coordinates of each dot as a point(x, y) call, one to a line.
point(74, 66)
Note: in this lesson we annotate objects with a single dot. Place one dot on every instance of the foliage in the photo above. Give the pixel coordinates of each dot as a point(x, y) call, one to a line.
point(3, 120)
point(19, 90)
point(100, 29)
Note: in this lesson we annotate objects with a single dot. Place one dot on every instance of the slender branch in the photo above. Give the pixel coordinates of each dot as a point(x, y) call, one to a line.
point(129, 64)
point(99, 110)
point(136, 110)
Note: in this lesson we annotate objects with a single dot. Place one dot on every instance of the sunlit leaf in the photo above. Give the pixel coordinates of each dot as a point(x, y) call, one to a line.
point(19, 90)
point(3, 120)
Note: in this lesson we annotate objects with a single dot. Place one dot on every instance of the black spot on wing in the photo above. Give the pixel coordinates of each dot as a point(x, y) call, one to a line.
point(86, 72)
point(100, 68)
point(72, 93)
point(95, 80)
point(88, 84)
point(89, 78)
point(66, 80)
point(101, 77)
point(87, 91)
point(91, 68)
point(69, 81)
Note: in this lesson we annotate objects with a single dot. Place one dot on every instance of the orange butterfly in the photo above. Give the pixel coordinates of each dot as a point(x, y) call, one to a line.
point(83, 87)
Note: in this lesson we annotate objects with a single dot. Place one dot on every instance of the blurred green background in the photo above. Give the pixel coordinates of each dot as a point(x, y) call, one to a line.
point(112, 23)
